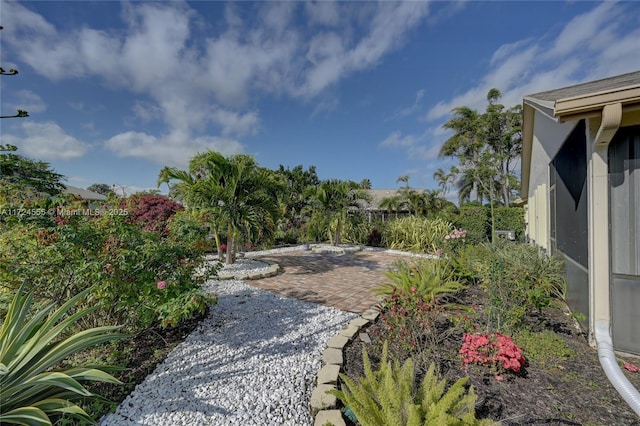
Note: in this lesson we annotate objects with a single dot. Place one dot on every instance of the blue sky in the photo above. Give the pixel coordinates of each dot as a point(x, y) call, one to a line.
point(117, 90)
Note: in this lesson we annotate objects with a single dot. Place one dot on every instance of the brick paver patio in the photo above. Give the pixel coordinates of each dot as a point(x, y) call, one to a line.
point(344, 281)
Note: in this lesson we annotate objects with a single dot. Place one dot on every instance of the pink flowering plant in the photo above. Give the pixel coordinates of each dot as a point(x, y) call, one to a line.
point(454, 240)
point(495, 350)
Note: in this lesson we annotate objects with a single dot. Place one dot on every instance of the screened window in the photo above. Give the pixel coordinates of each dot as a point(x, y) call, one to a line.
point(624, 179)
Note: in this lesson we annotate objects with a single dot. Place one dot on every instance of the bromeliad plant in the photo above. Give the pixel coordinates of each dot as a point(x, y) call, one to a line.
point(32, 393)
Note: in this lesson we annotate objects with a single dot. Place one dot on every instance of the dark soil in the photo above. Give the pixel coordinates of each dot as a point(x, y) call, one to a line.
point(570, 390)
point(138, 356)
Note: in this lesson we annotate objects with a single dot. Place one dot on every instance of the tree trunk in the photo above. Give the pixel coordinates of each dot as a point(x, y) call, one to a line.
point(229, 245)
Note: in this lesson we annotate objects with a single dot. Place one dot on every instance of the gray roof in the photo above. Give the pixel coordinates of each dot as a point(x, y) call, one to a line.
point(377, 195)
point(630, 79)
point(85, 194)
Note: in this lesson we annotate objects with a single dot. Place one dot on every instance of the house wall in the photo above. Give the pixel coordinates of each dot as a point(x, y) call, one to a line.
point(548, 137)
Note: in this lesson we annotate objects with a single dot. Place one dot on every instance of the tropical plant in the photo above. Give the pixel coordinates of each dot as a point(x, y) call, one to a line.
point(416, 234)
point(334, 199)
point(32, 390)
point(429, 280)
point(122, 262)
point(235, 192)
point(487, 147)
point(388, 397)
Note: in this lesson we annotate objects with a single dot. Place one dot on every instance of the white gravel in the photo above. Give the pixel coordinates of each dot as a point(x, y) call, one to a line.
point(252, 361)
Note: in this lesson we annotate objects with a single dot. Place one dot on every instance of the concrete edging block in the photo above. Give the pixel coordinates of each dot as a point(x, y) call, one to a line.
point(332, 417)
point(333, 360)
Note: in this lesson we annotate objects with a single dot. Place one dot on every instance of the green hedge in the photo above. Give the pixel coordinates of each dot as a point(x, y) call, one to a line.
point(476, 220)
point(510, 218)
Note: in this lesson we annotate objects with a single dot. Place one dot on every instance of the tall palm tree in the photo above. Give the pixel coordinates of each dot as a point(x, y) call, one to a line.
point(466, 143)
point(445, 179)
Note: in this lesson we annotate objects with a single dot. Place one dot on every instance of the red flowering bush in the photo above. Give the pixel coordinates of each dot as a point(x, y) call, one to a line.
point(492, 349)
point(151, 212)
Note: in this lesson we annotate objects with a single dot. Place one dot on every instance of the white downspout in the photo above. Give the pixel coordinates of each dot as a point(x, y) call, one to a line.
point(611, 119)
point(610, 366)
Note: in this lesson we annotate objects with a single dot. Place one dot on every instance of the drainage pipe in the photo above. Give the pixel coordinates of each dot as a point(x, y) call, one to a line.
point(610, 366)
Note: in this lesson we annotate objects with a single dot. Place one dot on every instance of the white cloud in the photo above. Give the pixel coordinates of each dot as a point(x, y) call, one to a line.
point(586, 48)
point(396, 140)
point(410, 109)
point(46, 141)
point(322, 12)
point(192, 86)
point(28, 101)
point(174, 149)
point(420, 147)
point(236, 123)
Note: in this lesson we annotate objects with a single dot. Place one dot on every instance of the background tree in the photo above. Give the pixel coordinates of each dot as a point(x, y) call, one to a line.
point(486, 146)
point(293, 198)
point(365, 183)
point(23, 178)
point(101, 188)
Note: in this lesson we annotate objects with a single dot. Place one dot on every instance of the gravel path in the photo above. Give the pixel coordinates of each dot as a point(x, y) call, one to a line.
point(252, 361)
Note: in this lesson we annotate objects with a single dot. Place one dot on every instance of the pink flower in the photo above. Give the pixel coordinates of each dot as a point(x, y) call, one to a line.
point(193, 298)
point(631, 367)
point(413, 290)
point(223, 247)
point(439, 252)
point(162, 285)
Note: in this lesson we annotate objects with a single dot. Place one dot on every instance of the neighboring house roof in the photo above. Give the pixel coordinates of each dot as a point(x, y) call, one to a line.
point(574, 103)
point(377, 196)
point(85, 194)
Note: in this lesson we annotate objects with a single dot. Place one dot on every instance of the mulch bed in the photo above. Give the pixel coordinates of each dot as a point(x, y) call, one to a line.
point(568, 391)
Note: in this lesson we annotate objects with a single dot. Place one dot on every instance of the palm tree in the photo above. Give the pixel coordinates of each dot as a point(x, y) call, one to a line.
point(334, 198)
point(234, 191)
point(445, 179)
point(466, 143)
point(393, 204)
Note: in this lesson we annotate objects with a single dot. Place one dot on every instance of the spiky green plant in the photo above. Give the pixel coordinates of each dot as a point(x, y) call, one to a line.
point(388, 397)
point(31, 392)
point(430, 280)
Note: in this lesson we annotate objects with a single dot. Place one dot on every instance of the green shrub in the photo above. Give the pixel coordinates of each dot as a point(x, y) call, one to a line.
point(31, 392)
point(476, 221)
point(389, 397)
point(510, 218)
point(517, 279)
point(121, 262)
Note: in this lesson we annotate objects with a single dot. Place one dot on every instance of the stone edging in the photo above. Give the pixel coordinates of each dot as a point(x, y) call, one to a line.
point(271, 271)
point(323, 405)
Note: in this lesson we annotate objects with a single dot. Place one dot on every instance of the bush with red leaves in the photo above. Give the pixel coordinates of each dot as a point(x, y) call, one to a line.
point(151, 212)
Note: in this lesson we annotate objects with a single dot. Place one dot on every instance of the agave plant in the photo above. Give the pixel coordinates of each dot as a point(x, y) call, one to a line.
point(32, 393)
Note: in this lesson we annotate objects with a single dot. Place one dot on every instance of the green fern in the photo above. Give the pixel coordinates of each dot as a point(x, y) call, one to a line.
point(388, 397)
